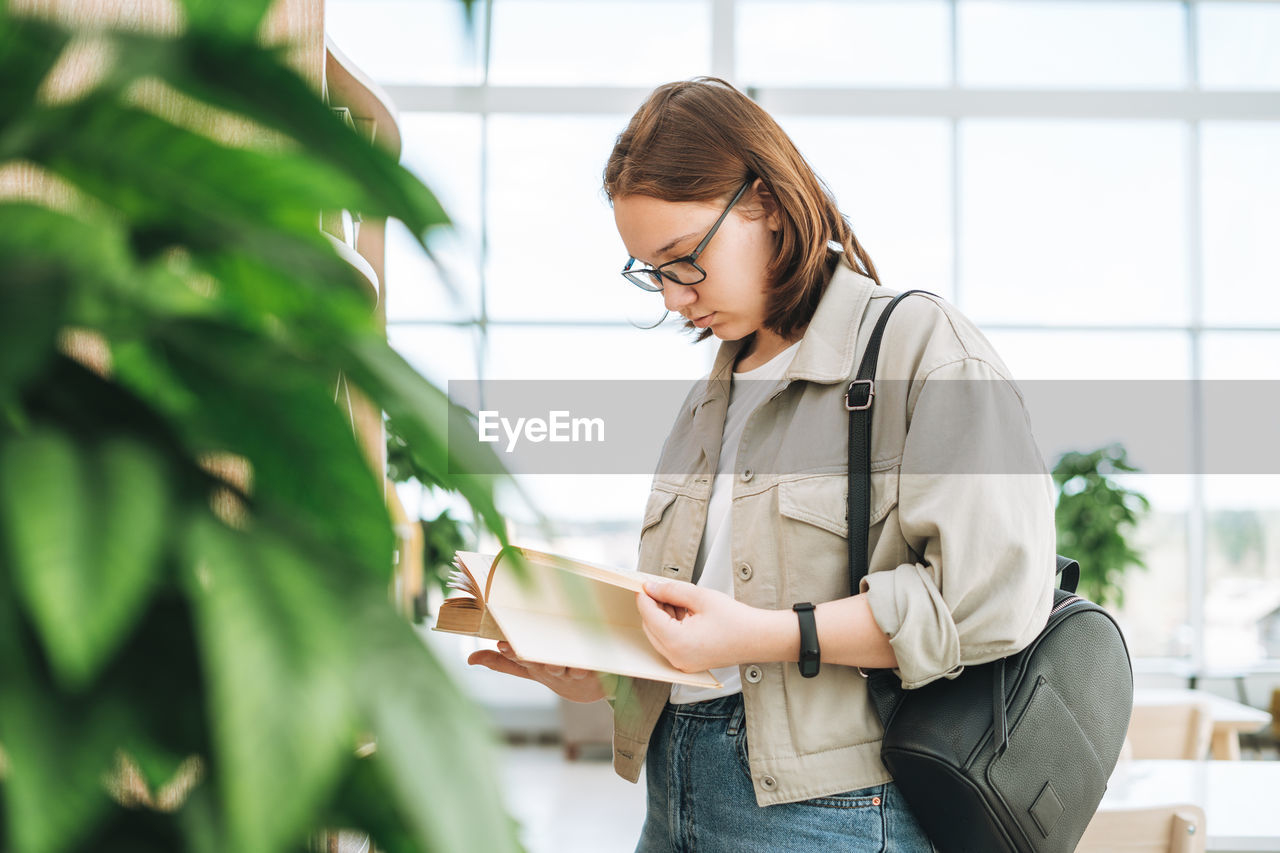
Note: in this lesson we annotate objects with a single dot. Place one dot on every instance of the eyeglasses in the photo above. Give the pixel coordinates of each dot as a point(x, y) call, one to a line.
point(682, 270)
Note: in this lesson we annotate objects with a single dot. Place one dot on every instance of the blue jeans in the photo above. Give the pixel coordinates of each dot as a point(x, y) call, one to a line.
point(700, 797)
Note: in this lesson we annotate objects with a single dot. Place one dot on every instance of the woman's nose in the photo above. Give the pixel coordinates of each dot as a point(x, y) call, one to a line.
point(677, 296)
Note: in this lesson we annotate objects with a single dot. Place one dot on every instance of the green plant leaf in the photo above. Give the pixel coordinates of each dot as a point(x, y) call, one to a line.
point(1094, 516)
point(108, 290)
point(229, 318)
point(31, 310)
point(277, 651)
point(85, 247)
point(201, 820)
point(159, 672)
point(442, 776)
point(87, 406)
point(442, 537)
point(55, 747)
point(57, 754)
point(237, 75)
point(364, 803)
point(241, 17)
point(423, 415)
point(50, 259)
point(310, 300)
point(133, 830)
point(185, 182)
point(264, 402)
point(86, 530)
point(29, 48)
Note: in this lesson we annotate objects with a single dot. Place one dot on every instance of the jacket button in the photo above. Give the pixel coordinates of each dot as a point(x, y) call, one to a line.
point(768, 783)
point(747, 474)
point(744, 571)
point(753, 674)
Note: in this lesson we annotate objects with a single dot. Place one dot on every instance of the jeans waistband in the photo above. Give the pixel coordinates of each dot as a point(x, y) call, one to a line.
point(711, 709)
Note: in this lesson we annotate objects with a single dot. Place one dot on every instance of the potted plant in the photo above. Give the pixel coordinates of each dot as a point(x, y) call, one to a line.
point(194, 554)
point(1095, 517)
point(436, 539)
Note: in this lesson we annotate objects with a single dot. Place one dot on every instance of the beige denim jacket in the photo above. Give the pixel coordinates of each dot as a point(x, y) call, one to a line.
point(961, 543)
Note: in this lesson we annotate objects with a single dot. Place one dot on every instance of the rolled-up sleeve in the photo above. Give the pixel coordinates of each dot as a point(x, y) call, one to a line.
point(975, 505)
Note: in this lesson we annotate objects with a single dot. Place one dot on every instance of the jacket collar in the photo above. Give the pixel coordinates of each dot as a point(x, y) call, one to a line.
point(829, 345)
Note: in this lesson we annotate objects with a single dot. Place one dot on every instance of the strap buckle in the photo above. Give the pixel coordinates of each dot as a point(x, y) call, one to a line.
point(863, 403)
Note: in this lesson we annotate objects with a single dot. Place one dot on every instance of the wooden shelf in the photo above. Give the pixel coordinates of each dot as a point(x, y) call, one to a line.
point(358, 262)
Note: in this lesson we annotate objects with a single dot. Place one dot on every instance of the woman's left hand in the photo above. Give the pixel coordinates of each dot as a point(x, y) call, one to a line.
point(695, 628)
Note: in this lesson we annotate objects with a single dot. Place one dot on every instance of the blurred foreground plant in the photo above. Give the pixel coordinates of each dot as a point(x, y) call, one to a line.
point(224, 637)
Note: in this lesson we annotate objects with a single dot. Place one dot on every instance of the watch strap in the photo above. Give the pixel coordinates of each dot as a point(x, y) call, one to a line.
point(810, 654)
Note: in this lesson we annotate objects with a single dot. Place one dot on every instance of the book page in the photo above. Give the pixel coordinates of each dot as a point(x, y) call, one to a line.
point(458, 616)
point(464, 616)
point(560, 616)
point(477, 568)
point(464, 611)
point(460, 580)
point(631, 580)
point(624, 650)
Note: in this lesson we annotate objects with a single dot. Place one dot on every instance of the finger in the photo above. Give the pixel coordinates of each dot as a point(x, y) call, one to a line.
point(577, 674)
point(651, 612)
point(678, 593)
point(498, 663)
point(554, 671)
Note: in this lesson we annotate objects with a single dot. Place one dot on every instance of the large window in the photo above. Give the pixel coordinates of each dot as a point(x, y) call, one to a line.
point(1092, 182)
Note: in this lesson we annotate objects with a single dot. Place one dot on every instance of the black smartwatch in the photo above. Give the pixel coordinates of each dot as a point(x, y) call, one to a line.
point(810, 657)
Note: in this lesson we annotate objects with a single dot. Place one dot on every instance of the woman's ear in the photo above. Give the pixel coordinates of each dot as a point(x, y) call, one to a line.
point(768, 205)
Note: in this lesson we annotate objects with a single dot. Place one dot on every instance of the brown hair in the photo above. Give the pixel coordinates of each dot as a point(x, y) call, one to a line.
point(698, 140)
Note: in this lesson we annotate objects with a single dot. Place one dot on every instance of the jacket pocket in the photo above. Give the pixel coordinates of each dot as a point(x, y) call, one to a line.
point(823, 500)
point(820, 501)
point(654, 509)
point(813, 532)
point(655, 530)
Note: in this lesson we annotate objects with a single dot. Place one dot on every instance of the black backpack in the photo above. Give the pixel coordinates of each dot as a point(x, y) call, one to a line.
point(1012, 756)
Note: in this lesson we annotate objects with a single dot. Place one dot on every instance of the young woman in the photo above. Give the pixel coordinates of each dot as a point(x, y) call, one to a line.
point(747, 517)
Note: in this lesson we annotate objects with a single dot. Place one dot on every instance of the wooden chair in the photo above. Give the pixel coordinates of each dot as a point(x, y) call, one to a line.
point(1267, 739)
point(1164, 829)
point(1171, 731)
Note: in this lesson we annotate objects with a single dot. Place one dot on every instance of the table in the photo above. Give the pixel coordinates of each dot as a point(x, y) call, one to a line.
point(1240, 798)
point(1229, 718)
point(1195, 676)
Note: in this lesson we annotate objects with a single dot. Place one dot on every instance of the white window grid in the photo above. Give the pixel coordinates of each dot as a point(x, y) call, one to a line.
point(1189, 105)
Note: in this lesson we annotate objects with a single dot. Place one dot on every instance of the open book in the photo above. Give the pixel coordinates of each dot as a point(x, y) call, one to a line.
point(564, 612)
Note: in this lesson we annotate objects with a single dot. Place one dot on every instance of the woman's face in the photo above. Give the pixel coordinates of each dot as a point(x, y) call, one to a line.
point(731, 299)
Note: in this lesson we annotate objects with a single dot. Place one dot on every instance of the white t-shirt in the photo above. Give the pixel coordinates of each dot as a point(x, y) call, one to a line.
point(712, 567)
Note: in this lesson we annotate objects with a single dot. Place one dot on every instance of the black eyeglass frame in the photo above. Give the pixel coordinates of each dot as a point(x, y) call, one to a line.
point(643, 278)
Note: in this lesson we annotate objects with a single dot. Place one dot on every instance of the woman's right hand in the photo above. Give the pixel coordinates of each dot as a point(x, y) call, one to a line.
point(576, 685)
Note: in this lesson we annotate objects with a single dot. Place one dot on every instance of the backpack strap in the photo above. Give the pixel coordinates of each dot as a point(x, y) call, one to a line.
point(858, 399)
point(1070, 571)
point(884, 687)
